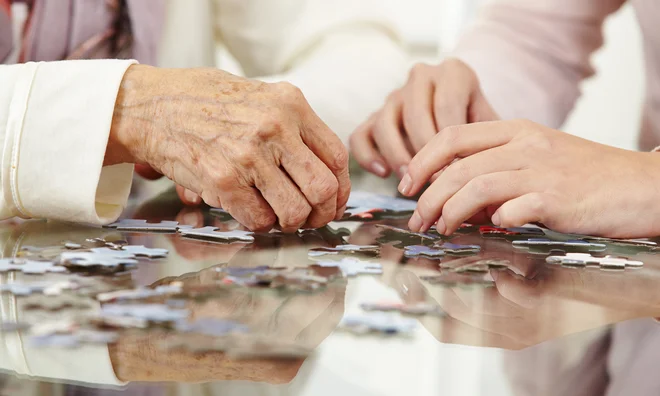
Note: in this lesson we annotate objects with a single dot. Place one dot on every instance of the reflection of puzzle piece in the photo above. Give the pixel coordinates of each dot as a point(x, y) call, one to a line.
point(423, 251)
point(211, 327)
point(74, 340)
point(91, 259)
point(157, 313)
point(419, 309)
point(369, 250)
point(380, 323)
point(141, 251)
point(458, 250)
point(352, 267)
point(452, 279)
point(545, 246)
point(143, 226)
point(140, 293)
point(582, 260)
point(50, 303)
point(210, 233)
point(46, 288)
point(29, 266)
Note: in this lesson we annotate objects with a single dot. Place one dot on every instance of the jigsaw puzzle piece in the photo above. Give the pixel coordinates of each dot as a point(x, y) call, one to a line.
point(583, 260)
point(546, 246)
point(423, 251)
point(211, 327)
point(458, 250)
point(155, 313)
point(30, 267)
point(210, 233)
point(368, 250)
point(137, 225)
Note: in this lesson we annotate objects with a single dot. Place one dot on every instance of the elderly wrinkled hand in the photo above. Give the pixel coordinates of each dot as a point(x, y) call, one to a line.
point(518, 172)
point(433, 98)
point(257, 150)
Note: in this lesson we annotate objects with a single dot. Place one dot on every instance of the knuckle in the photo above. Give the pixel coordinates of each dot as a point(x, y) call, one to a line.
point(325, 190)
point(425, 208)
point(269, 128)
point(482, 186)
point(289, 93)
point(419, 70)
point(458, 172)
point(538, 204)
point(223, 181)
point(296, 215)
point(340, 159)
point(450, 136)
point(264, 221)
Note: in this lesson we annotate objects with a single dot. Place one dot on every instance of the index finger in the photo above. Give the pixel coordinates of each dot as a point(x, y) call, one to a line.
point(328, 148)
point(451, 143)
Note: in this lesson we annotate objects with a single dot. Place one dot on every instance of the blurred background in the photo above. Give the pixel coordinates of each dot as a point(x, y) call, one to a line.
point(609, 110)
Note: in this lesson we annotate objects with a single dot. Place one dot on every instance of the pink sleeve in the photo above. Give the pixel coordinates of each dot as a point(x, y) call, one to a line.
point(531, 55)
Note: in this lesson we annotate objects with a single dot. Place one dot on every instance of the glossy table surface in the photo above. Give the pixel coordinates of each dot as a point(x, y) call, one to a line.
point(540, 329)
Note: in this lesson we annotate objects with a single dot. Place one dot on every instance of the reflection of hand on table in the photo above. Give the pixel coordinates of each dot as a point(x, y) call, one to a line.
point(533, 302)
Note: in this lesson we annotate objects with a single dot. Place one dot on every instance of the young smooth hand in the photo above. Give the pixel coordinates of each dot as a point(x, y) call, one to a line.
point(435, 97)
point(518, 172)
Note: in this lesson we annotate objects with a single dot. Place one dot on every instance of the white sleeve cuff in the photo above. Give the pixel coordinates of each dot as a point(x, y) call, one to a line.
point(55, 141)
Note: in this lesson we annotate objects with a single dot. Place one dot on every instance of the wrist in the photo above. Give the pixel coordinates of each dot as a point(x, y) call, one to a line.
point(131, 128)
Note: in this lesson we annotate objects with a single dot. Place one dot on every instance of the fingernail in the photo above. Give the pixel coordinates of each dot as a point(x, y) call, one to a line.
point(494, 274)
point(403, 170)
point(340, 213)
point(496, 219)
point(191, 197)
point(379, 169)
point(441, 227)
point(406, 185)
point(415, 223)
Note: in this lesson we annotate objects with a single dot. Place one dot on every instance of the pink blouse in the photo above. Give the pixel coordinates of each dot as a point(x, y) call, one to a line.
point(531, 56)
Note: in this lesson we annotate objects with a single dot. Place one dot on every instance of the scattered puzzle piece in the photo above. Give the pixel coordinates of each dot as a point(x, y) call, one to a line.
point(141, 251)
point(544, 246)
point(352, 267)
point(74, 340)
point(210, 233)
point(156, 313)
point(423, 251)
point(30, 267)
point(56, 303)
point(582, 260)
point(369, 250)
point(143, 226)
point(96, 261)
point(211, 327)
point(368, 206)
point(140, 293)
point(378, 322)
